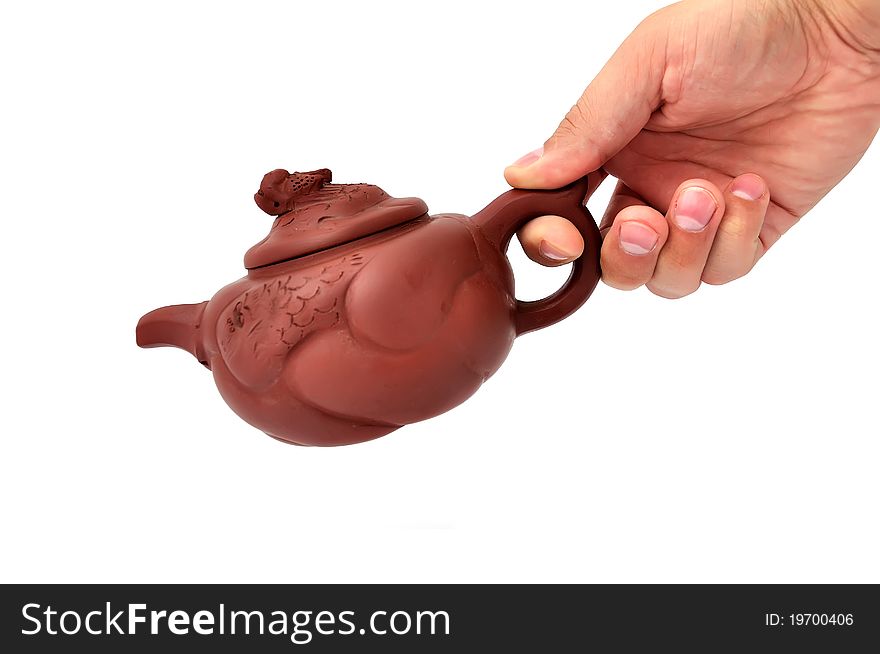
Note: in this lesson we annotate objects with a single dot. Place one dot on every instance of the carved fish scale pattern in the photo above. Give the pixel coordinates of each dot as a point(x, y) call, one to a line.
point(259, 329)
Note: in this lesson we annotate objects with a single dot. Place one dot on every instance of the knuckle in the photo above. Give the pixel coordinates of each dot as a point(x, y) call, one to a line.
point(673, 292)
point(567, 132)
point(622, 284)
point(623, 280)
point(578, 128)
point(734, 228)
point(681, 260)
point(622, 277)
point(718, 277)
point(578, 117)
point(729, 261)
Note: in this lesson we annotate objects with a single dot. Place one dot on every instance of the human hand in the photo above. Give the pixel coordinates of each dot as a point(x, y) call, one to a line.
point(732, 118)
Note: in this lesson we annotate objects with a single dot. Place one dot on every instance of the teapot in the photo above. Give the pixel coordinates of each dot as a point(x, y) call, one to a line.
point(361, 313)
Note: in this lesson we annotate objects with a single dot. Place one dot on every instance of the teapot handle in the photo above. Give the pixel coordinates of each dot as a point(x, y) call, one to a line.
point(500, 220)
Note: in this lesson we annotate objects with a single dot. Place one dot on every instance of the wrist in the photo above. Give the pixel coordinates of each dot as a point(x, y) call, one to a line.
point(855, 24)
point(848, 32)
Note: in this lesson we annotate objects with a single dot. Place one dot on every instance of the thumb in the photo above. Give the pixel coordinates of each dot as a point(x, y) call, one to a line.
point(615, 107)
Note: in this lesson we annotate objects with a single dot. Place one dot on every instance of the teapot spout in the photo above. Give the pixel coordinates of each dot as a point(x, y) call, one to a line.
point(174, 326)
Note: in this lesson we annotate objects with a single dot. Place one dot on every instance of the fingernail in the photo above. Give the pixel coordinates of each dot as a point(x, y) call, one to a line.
point(694, 209)
point(748, 187)
point(554, 253)
point(530, 158)
point(637, 238)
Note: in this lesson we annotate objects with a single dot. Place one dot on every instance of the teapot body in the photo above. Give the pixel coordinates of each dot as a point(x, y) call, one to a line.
point(361, 313)
point(351, 343)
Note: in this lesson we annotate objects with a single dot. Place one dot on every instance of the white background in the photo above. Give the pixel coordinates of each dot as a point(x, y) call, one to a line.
point(729, 436)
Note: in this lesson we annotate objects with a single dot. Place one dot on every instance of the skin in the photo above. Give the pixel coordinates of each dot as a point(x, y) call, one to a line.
point(724, 122)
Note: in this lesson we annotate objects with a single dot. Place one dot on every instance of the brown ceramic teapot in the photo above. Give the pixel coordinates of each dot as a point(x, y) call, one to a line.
point(361, 313)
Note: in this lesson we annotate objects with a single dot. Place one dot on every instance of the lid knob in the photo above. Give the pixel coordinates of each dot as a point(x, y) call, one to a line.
point(280, 189)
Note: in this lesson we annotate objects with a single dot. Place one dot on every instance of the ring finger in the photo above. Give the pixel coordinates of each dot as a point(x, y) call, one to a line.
point(693, 218)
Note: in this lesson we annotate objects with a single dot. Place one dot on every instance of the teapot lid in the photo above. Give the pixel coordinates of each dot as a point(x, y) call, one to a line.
point(313, 214)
